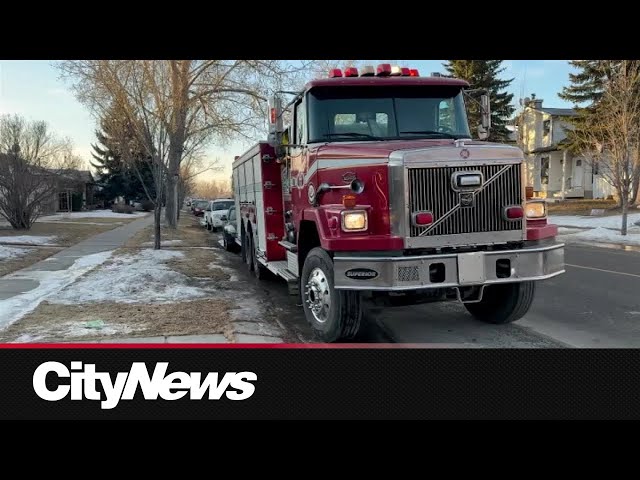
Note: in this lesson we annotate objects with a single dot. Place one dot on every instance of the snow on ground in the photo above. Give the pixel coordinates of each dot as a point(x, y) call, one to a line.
point(30, 239)
point(137, 278)
point(613, 221)
point(567, 231)
point(50, 283)
point(90, 214)
point(164, 243)
point(605, 235)
point(11, 252)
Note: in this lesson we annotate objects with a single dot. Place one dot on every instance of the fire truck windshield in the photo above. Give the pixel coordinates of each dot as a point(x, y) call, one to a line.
point(343, 114)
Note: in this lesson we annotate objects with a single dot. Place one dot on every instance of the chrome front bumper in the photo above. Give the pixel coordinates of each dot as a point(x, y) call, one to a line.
point(447, 270)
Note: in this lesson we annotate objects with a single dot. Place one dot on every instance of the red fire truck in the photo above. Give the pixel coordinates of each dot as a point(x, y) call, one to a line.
point(376, 194)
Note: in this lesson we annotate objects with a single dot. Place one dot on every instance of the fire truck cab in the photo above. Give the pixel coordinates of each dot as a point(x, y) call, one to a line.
point(376, 194)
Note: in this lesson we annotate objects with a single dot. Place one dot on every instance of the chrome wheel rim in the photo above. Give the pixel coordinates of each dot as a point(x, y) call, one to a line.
point(318, 296)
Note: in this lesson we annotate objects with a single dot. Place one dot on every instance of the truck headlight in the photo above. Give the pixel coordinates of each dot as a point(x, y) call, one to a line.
point(535, 210)
point(354, 220)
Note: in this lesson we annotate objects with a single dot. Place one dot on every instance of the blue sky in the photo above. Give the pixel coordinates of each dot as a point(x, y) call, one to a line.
point(32, 88)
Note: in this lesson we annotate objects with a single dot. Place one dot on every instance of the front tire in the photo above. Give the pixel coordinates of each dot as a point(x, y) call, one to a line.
point(503, 303)
point(333, 314)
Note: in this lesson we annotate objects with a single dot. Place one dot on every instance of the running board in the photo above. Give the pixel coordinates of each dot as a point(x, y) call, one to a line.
point(288, 245)
point(280, 269)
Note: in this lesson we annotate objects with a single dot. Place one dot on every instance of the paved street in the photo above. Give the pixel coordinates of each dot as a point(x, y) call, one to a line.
point(596, 303)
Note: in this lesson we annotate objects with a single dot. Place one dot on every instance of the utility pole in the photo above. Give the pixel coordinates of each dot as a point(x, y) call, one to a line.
point(565, 157)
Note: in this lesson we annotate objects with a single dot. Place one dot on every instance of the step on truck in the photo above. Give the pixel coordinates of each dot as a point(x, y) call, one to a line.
point(375, 194)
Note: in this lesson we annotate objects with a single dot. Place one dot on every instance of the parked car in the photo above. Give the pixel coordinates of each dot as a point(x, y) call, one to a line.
point(217, 216)
point(229, 232)
point(199, 207)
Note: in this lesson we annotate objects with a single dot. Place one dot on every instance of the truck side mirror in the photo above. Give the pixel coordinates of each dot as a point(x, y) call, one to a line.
point(485, 114)
point(275, 120)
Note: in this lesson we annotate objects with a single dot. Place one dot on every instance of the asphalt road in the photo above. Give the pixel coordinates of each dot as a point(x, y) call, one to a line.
point(596, 303)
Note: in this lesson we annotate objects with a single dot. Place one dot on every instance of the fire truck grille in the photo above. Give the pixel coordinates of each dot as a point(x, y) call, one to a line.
point(408, 274)
point(430, 189)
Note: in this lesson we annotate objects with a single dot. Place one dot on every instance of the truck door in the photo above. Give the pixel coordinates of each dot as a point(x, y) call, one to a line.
point(299, 159)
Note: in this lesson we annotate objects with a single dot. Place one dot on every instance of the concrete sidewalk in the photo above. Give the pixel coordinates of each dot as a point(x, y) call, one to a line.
point(26, 279)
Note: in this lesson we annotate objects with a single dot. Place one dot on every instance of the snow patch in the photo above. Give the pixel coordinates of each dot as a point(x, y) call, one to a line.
point(606, 235)
point(11, 252)
point(90, 214)
point(613, 221)
point(166, 243)
point(78, 329)
point(135, 278)
point(30, 239)
point(566, 231)
point(28, 338)
point(14, 308)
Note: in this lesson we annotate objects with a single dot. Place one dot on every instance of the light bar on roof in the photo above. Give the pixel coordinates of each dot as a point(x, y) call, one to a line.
point(405, 71)
point(396, 71)
point(367, 71)
point(414, 73)
point(351, 72)
point(335, 72)
point(383, 70)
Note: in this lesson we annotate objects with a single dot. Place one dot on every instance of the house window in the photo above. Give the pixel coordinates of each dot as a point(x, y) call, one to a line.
point(546, 127)
point(578, 163)
point(544, 170)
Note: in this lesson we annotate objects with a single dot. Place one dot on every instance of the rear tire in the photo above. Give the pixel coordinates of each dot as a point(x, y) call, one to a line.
point(503, 303)
point(259, 270)
point(227, 246)
point(333, 314)
point(248, 254)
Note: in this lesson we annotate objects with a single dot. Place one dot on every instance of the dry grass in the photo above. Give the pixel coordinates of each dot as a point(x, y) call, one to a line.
point(68, 233)
point(195, 264)
point(189, 232)
point(35, 254)
point(582, 207)
point(56, 323)
point(117, 221)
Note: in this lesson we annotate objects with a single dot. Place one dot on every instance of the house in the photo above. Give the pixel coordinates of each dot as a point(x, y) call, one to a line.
point(75, 190)
point(552, 171)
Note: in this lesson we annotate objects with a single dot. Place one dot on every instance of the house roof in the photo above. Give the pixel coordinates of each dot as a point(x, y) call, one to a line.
point(78, 175)
point(560, 112)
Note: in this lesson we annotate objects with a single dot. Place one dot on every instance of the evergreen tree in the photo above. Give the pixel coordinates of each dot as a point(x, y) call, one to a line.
point(119, 161)
point(484, 74)
point(585, 91)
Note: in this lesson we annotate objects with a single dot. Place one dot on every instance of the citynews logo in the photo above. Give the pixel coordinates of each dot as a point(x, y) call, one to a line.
point(176, 385)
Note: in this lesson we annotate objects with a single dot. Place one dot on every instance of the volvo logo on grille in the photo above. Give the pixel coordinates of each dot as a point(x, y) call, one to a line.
point(361, 273)
point(466, 199)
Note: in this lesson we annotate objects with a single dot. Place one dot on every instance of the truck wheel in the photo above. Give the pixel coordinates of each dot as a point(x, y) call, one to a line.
point(248, 254)
point(333, 314)
point(503, 303)
point(259, 270)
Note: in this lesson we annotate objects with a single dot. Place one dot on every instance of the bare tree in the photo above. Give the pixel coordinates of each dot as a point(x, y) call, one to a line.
point(32, 161)
point(195, 100)
point(610, 139)
point(213, 189)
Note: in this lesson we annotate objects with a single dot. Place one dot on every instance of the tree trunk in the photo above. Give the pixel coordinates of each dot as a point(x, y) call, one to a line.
point(156, 225)
point(634, 190)
point(624, 198)
point(170, 210)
